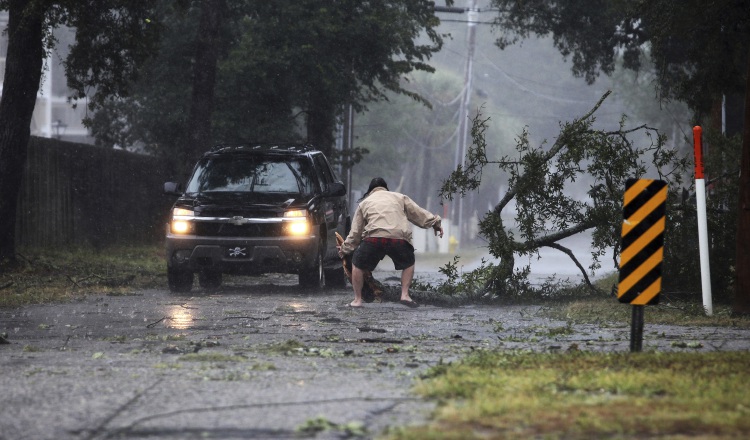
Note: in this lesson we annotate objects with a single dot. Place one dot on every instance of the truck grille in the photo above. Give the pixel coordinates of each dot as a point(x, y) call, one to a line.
point(229, 230)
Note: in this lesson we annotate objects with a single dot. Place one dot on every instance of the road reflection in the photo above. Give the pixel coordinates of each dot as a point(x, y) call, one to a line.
point(299, 307)
point(180, 317)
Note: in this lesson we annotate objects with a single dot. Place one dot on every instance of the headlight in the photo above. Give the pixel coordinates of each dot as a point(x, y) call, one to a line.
point(180, 222)
point(180, 226)
point(298, 228)
point(299, 224)
point(297, 213)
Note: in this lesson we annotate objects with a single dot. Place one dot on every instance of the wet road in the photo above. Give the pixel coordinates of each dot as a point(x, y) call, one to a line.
point(261, 360)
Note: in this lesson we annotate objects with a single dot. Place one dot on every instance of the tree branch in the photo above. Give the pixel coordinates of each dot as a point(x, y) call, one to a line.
point(547, 240)
point(559, 144)
point(570, 254)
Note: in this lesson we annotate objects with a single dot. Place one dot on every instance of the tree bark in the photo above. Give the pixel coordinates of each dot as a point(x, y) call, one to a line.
point(741, 303)
point(23, 71)
point(207, 43)
point(321, 123)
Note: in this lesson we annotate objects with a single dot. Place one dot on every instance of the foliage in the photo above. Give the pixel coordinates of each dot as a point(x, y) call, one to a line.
point(113, 37)
point(154, 116)
point(542, 184)
point(700, 51)
point(512, 394)
point(586, 30)
point(464, 286)
point(284, 66)
point(321, 424)
point(681, 270)
point(636, 90)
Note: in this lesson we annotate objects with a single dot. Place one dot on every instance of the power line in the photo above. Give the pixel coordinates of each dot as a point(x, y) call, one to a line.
point(465, 21)
point(528, 90)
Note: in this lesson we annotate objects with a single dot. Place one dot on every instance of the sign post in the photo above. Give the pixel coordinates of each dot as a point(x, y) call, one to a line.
point(700, 207)
point(642, 249)
point(636, 329)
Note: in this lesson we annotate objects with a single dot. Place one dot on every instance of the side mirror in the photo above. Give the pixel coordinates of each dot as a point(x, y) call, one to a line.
point(336, 189)
point(173, 188)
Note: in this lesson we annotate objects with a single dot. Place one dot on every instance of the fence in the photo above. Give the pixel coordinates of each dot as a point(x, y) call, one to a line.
point(84, 195)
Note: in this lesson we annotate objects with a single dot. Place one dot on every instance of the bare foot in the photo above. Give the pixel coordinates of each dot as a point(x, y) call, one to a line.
point(355, 304)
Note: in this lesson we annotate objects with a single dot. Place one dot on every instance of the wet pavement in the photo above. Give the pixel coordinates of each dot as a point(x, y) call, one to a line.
point(264, 360)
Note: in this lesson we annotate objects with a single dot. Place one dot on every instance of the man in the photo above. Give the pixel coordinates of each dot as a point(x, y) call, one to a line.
point(381, 227)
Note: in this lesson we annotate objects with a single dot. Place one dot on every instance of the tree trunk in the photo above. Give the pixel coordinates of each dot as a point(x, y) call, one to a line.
point(501, 276)
point(742, 267)
point(321, 123)
point(204, 80)
point(23, 70)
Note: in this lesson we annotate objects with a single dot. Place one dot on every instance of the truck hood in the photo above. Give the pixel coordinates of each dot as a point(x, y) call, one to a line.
point(230, 204)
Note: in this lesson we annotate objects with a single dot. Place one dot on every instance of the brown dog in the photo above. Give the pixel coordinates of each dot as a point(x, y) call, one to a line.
point(372, 290)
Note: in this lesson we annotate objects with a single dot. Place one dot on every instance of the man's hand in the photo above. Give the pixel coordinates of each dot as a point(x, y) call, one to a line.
point(341, 254)
point(438, 231)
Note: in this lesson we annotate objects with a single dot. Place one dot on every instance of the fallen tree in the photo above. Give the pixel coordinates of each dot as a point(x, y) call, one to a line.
point(540, 183)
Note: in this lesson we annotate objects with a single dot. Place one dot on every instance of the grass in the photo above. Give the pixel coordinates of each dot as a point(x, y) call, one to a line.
point(578, 395)
point(210, 357)
point(671, 310)
point(518, 395)
point(599, 310)
point(46, 275)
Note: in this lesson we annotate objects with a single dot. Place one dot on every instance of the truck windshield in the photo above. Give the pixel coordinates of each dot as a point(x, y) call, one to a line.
point(280, 175)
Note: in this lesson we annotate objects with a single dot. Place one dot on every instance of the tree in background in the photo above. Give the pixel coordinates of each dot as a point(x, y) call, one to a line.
point(701, 52)
point(412, 145)
point(280, 66)
point(113, 38)
point(207, 46)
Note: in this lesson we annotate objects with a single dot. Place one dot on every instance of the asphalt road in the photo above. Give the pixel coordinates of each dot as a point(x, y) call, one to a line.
point(261, 359)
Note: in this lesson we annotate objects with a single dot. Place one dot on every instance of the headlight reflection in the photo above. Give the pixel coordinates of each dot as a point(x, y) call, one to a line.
point(180, 317)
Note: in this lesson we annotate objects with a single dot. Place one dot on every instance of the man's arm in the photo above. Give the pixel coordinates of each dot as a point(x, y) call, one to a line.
point(355, 234)
point(422, 217)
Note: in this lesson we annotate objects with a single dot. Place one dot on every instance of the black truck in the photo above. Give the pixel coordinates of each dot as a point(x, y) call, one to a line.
point(250, 209)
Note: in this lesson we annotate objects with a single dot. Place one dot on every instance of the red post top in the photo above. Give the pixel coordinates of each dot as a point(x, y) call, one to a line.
point(698, 150)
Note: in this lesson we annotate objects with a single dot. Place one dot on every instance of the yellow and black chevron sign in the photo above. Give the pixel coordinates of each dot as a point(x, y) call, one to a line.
point(642, 251)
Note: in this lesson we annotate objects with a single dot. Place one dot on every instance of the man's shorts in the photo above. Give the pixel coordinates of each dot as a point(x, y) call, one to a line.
point(373, 249)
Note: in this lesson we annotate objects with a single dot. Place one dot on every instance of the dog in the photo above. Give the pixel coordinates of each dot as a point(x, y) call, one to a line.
point(372, 290)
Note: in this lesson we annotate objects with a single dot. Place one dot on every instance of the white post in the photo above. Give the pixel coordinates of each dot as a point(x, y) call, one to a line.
point(700, 204)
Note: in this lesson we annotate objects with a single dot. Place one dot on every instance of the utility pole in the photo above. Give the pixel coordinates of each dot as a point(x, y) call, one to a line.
point(349, 146)
point(463, 127)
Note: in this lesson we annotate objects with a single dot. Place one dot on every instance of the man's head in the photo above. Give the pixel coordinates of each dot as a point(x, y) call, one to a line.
point(376, 182)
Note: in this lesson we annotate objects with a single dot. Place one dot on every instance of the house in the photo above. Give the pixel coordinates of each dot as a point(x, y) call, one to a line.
point(55, 115)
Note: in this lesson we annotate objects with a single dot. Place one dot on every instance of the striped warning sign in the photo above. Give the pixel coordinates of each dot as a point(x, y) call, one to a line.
point(644, 211)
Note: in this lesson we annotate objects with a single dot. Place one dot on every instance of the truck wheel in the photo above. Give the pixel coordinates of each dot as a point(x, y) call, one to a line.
point(313, 277)
point(180, 281)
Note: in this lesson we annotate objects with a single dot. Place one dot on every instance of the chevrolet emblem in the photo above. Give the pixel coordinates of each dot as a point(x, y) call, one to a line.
point(237, 220)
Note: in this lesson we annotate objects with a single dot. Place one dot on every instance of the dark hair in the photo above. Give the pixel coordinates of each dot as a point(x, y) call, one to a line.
point(374, 183)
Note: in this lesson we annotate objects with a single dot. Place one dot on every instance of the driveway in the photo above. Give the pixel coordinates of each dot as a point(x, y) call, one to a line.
point(262, 359)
